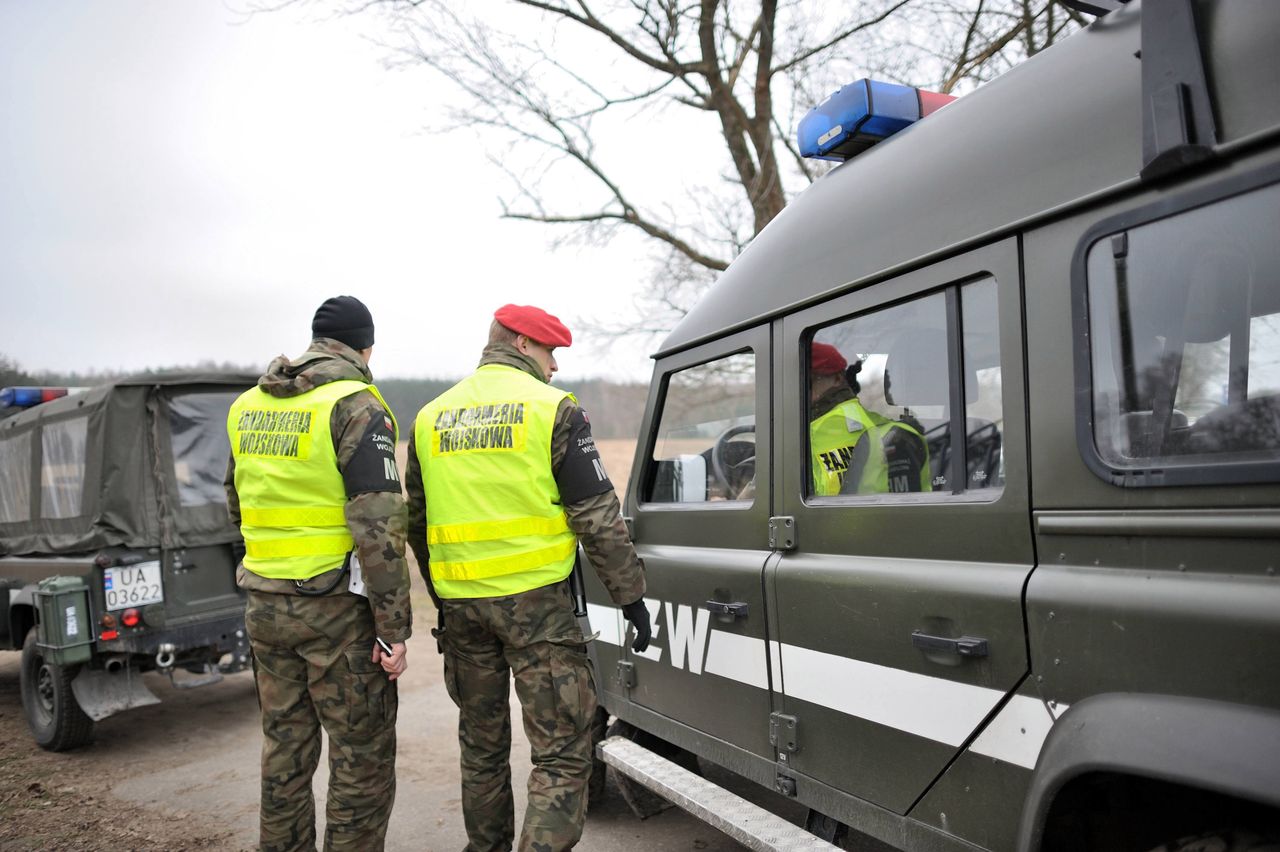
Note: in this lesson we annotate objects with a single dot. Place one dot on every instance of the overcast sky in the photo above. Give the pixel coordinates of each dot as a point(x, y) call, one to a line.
point(178, 184)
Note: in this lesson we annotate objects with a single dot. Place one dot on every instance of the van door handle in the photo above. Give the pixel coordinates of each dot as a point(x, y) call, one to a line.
point(737, 609)
point(965, 646)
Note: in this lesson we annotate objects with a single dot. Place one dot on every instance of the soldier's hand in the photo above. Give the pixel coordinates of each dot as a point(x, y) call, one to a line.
point(395, 663)
point(638, 615)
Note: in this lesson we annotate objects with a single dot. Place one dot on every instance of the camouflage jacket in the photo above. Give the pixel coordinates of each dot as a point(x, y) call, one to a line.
point(596, 519)
point(376, 518)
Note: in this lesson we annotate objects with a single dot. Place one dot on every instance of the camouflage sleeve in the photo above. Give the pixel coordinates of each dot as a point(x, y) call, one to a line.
point(377, 520)
point(597, 519)
point(233, 499)
point(417, 503)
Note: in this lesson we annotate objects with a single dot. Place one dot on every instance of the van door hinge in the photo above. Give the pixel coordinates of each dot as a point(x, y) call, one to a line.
point(782, 732)
point(782, 533)
point(626, 674)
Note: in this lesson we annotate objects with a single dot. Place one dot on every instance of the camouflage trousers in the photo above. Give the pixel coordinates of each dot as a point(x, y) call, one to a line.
point(534, 638)
point(314, 669)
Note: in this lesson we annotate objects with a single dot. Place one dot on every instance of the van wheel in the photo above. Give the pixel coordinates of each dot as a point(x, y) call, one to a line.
point(56, 720)
point(599, 769)
point(1240, 840)
point(643, 802)
point(826, 828)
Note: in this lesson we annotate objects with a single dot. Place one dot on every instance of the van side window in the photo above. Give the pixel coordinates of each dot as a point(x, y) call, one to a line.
point(62, 463)
point(1184, 314)
point(15, 478)
point(198, 432)
point(705, 448)
point(882, 391)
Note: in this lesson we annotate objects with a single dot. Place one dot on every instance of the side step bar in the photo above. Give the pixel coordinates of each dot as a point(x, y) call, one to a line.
point(749, 824)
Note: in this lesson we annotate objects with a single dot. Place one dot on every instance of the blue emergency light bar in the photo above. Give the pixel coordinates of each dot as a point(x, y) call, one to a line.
point(25, 397)
point(861, 114)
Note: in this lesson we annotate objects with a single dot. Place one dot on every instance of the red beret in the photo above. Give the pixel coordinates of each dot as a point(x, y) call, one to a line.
point(535, 324)
point(826, 359)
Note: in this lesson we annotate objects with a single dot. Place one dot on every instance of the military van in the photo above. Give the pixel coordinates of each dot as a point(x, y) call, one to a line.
point(115, 545)
point(1016, 587)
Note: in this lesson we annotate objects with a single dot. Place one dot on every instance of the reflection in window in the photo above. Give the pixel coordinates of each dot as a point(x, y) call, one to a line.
point(1184, 315)
point(880, 399)
point(15, 478)
point(198, 432)
point(62, 464)
point(705, 447)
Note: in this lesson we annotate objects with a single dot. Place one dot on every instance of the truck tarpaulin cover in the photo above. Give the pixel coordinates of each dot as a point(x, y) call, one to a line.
point(136, 463)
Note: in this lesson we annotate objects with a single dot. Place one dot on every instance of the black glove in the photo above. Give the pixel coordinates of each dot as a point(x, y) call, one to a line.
point(636, 613)
point(237, 551)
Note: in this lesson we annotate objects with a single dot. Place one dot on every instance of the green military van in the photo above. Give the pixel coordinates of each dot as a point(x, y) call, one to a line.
point(115, 545)
point(959, 492)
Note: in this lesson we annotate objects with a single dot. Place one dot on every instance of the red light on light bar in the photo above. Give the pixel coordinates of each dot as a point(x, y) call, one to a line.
point(932, 101)
point(107, 635)
point(130, 618)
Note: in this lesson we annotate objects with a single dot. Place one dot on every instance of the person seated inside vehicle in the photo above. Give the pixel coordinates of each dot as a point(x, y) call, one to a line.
point(855, 450)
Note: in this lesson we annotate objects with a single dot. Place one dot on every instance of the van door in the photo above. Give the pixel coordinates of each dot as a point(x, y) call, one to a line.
point(902, 460)
point(701, 514)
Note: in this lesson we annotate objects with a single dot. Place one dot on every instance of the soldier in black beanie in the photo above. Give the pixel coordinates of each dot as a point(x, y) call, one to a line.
point(326, 581)
point(345, 319)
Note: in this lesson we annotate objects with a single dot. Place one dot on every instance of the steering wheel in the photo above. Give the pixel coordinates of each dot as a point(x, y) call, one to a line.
point(731, 467)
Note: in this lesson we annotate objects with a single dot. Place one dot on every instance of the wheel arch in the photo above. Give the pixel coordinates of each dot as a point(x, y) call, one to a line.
point(21, 615)
point(1217, 747)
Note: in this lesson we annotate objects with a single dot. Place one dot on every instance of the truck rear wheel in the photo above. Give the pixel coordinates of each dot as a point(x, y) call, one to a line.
point(56, 720)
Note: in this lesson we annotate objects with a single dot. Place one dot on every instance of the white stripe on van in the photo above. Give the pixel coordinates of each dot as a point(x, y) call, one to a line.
point(931, 707)
point(1017, 733)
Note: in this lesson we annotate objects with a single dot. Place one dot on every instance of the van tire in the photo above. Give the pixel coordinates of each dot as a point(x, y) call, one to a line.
point(55, 719)
point(599, 769)
point(1240, 840)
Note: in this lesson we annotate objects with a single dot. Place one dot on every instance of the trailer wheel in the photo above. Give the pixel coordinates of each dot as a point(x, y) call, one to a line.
point(56, 720)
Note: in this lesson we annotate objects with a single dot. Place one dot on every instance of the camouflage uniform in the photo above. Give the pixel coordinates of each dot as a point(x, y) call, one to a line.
point(534, 636)
point(313, 655)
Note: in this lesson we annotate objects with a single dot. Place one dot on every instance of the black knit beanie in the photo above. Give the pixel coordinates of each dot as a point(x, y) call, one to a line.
point(345, 319)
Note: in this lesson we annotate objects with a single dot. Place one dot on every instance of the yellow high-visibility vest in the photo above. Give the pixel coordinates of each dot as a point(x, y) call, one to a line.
point(847, 441)
point(291, 491)
point(495, 523)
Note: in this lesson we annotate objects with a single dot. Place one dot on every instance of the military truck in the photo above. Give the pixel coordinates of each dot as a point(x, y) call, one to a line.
point(1051, 619)
point(115, 545)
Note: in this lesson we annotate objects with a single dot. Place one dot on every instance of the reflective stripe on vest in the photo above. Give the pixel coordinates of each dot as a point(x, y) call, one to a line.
point(291, 492)
point(495, 524)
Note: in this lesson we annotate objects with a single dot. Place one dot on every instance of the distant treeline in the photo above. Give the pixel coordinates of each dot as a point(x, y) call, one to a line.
point(614, 409)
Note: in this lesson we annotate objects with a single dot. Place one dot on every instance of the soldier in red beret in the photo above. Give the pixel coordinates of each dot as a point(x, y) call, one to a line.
point(855, 450)
point(504, 480)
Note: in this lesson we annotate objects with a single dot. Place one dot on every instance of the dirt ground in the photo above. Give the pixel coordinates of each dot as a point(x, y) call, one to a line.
point(64, 801)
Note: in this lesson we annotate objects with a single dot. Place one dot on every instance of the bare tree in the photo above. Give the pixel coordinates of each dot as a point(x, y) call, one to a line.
point(552, 85)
